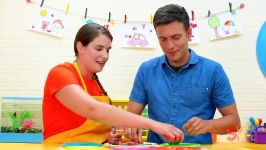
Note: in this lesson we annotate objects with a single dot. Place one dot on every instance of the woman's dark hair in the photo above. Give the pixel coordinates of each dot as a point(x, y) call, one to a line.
point(101, 87)
point(170, 13)
point(88, 32)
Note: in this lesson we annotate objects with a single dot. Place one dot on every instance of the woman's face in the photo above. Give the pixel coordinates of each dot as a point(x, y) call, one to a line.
point(95, 54)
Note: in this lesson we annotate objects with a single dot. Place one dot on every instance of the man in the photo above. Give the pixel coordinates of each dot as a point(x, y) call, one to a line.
point(181, 87)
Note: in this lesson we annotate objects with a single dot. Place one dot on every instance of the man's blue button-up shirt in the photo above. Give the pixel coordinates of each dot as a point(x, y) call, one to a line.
point(197, 89)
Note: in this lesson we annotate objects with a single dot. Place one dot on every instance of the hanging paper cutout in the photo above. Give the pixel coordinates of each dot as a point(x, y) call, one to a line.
point(106, 24)
point(87, 21)
point(223, 25)
point(195, 33)
point(137, 35)
point(49, 21)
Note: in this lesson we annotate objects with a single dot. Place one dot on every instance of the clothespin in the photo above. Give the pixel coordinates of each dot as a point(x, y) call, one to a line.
point(230, 6)
point(85, 13)
point(106, 26)
point(231, 9)
point(109, 17)
point(151, 19)
point(67, 8)
point(112, 22)
point(192, 12)
point(209, 13)
point(42, 3)
point(125, 18)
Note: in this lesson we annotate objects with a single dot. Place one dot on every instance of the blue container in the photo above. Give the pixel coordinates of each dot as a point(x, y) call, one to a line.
point(21, 137)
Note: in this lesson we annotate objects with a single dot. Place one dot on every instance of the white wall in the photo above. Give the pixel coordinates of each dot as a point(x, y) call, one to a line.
point(26, 56)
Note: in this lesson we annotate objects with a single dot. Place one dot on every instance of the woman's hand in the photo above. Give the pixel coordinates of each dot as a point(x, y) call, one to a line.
point(133, 134)
point(114, 137)
point(169, 132)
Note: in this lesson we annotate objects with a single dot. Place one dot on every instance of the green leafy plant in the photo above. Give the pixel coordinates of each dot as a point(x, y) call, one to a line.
point(21, 123)
point(14, 119)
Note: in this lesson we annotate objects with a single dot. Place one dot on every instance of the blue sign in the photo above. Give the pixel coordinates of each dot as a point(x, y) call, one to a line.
point(261, 49)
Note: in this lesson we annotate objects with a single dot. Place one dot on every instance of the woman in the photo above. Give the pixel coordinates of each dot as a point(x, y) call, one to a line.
point(75, 105)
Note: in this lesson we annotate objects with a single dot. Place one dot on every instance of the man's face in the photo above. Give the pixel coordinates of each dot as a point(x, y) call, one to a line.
point(173, 39)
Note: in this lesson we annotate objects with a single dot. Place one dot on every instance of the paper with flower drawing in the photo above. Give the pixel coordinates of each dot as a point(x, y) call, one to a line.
point(49, 21)
point(223, 25)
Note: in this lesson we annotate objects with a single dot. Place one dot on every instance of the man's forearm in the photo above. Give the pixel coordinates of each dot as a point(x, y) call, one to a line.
point(226, 124)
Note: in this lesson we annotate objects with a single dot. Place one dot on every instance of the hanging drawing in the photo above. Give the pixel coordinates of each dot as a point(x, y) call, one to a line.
point(195, 33)
point(137, 35)
point(223, 25)
point(49, 21)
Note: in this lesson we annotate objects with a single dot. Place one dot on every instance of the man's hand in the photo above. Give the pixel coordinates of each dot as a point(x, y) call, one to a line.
point(196, 126)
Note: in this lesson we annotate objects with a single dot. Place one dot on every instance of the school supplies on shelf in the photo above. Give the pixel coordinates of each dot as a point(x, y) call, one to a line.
point(256, 133)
